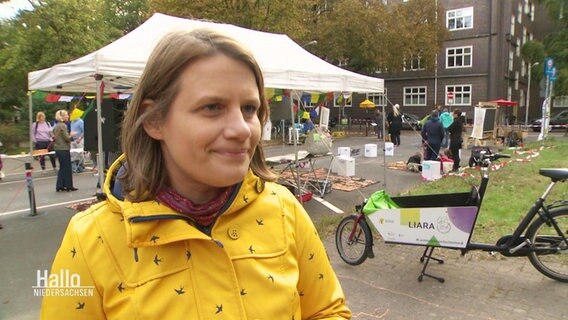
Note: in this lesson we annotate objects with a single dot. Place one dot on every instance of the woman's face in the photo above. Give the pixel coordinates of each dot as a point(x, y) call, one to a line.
point(212, 129)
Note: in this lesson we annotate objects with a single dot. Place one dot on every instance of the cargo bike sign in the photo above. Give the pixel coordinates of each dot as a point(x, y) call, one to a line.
point(449, 227)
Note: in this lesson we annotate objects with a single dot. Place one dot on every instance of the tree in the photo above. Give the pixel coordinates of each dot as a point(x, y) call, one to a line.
point(278, 16)
point(555, 44)
point(370, 35)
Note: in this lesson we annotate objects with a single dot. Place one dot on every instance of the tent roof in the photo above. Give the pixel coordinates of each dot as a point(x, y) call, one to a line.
point(284, 63)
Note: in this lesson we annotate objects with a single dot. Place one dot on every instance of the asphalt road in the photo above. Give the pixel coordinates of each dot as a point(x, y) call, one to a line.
point(477, 286)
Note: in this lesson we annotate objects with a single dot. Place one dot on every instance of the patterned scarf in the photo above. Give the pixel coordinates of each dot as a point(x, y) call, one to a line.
point(203, 214)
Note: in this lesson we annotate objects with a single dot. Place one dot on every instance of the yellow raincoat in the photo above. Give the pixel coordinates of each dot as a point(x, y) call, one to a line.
point(263, 260)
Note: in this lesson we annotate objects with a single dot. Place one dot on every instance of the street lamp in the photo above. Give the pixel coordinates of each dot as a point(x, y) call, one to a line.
point(529, 93)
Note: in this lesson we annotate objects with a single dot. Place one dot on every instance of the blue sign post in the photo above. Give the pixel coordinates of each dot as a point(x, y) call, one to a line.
point(548, 66)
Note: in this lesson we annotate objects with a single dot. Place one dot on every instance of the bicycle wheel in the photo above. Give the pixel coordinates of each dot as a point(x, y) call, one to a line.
point(553, 264)
point(353, 251)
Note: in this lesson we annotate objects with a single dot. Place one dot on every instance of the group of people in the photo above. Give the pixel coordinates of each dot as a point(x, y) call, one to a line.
point(440, 130)
point(54, 141)
point(443, 130)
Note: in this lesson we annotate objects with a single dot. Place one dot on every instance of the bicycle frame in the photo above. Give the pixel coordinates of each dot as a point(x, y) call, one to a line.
point(514, 246)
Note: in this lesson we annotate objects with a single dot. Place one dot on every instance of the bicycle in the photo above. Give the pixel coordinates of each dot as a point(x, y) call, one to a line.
point(542, 235)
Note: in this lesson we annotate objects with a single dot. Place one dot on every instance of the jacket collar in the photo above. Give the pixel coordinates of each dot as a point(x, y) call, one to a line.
point(150, 223)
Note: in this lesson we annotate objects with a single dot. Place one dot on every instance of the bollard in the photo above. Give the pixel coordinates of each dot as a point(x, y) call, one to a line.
point(31, 193)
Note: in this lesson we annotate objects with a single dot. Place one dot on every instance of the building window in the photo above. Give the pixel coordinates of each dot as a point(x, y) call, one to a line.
point(458, 57)
point(522, 101)
point(459, 19)
point(512, 32)
point(561, 102)
point(414, 63)
point(532, 12)
point(379, 99)
point(516, 80)
point(518, 51)
point(462, 95)
point(520, 12)
point(511, 57)
point(414, 96)
point(523, 69)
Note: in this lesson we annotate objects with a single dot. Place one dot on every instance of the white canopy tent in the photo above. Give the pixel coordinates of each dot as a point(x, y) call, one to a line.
point(284, 63)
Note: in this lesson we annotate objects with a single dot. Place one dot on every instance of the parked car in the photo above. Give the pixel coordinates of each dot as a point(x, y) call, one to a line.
point(411, 121)
point(558, 121)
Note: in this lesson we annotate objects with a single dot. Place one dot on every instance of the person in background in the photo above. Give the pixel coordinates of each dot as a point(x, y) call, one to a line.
point(432, 135)
point(394, 120)
point(62, 146)
point(446, 119)
point(307, 126)
point(379, 124)
point(77, 133)
point(42, 138)
point(203, 231)
point(456, 129)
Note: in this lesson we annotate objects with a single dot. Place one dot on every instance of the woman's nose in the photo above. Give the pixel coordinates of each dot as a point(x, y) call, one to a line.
point(236, 126)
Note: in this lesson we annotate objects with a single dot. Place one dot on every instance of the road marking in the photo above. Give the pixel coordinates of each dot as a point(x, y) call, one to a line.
point(46, 206)
point(329, 205)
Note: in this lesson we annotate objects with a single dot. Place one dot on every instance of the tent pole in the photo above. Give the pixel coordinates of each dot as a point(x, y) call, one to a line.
point(295, 138)
point(100, 157)
point(384, 149)
point(30, 106)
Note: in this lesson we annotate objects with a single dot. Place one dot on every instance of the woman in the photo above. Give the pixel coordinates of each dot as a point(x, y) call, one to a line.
point(42, 138)
point(62, 147)
point(202, 232)
point(456, 129)
point(394, 120)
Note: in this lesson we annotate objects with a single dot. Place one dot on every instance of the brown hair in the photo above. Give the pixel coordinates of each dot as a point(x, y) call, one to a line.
point(146, 173)
point(457, 112)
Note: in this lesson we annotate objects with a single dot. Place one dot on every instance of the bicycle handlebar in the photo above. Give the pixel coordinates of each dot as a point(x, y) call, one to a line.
point(494, 156)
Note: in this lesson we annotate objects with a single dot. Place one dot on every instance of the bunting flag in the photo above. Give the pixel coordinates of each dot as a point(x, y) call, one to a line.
point(120, 96)
point(52, 98)
point(76, 114)
point(306, 98)
point(89, 108)
point(268, 93)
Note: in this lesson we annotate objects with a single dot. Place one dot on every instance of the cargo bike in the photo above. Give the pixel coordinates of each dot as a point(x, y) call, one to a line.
point(448, 220)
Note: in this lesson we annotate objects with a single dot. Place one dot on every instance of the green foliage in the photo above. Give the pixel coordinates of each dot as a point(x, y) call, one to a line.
point(370, 35)
point(512, 189)
point(9, 135)
point(283, 16)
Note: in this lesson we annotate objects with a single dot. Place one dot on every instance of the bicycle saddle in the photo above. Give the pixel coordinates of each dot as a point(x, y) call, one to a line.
point(555, 174)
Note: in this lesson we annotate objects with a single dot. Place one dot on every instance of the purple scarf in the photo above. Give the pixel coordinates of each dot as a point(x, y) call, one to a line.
point(203, 214)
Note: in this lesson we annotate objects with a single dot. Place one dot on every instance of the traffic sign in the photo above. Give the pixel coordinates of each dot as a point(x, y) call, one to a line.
point(553, 75)
point(548, 66)
point(450, 95)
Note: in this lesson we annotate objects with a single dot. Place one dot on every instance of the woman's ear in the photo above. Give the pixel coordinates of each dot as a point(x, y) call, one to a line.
point(152, 126)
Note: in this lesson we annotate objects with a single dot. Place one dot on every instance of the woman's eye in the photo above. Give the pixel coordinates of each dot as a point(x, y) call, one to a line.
point(212, 107)
point(249, 110)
